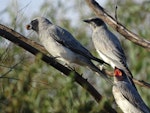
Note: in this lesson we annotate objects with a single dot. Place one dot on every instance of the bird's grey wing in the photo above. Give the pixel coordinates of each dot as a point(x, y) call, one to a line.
point(116, 53)
point(66, 39)
point(131, 94)
point(109, 45)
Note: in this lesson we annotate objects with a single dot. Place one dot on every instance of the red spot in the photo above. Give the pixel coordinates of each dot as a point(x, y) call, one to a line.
point(117, 72)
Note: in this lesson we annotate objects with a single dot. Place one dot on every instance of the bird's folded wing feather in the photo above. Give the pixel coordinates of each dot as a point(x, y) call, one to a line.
point(110, 46)
point(131, 94)
point(66, 39)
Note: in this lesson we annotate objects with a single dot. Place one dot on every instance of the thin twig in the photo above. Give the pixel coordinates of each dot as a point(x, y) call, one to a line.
point(116, 15)
point(11, 68)
point(27, 83)
point(9, 78)
point(141, 83)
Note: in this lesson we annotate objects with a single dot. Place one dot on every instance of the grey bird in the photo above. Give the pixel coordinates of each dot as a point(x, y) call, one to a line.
point(62, 45)
point(108, 46)
point(126, 96)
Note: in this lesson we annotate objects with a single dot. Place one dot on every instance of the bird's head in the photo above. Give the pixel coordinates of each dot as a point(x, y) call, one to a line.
point(36, 23)
point(33, 25)
point(119, 74)
point(94, 22)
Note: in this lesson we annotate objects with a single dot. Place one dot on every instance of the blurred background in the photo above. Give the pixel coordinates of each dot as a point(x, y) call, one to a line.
point(28, 85)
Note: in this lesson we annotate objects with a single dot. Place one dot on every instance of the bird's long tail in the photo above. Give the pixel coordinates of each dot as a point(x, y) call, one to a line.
point(96, 69)
point(99, 60)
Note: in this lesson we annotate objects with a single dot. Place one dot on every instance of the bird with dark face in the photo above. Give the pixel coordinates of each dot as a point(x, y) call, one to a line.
point(126, 96)
point(62, 45)
point(108, 46)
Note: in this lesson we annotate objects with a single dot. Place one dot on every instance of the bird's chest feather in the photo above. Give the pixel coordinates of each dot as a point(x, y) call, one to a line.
point(123, 103)
point(50, 44)
point(101, 39)
point(102, 45)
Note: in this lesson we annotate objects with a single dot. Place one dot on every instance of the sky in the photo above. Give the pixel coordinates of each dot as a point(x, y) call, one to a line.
point(26, 6)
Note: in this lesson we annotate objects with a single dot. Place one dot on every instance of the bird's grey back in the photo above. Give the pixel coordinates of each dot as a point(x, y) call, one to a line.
point(108, 44)
point(66, 39)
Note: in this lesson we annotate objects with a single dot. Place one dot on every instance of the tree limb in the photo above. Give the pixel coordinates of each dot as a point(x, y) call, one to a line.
point(36, 48)
point(101, 13)
point(141, 83)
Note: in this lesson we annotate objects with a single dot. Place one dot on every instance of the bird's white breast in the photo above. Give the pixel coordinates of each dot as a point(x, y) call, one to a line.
point(106, 59)
point(123, 103)
point(101, 46)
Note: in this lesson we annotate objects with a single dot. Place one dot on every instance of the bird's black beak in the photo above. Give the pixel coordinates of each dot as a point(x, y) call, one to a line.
point(86, 21)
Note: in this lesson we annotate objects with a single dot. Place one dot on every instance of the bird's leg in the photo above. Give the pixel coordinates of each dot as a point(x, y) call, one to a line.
point(71, 68)
point(55, 57)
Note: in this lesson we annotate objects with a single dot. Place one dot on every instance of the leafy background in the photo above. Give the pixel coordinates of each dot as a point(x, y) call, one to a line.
point(28, 85)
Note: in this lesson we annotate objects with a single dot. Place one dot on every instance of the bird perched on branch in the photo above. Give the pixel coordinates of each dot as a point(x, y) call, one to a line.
point(126, 96)
point(62, 45)
point(108, 46)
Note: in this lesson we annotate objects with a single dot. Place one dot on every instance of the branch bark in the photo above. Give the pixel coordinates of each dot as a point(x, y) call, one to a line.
point(101, 13)
point(36, 48)
point(141, 83)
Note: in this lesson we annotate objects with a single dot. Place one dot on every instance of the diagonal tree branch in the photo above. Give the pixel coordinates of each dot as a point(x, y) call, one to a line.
point(35, 49)
point(101, 13)
point(141, 83)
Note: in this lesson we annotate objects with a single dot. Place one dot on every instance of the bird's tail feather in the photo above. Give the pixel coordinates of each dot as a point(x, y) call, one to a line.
point(96, 69)
point(99, 60)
